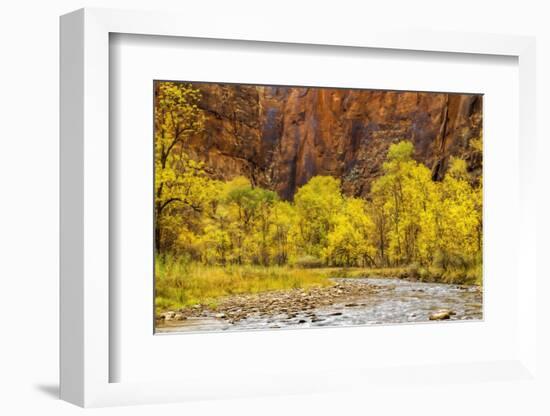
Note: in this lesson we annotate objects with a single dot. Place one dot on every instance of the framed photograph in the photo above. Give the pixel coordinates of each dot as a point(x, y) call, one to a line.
point(272, 212)
point(300, 207)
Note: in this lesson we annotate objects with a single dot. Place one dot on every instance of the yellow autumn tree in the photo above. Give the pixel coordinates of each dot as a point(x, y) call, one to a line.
point(283, 240)
point(350, 242)
point(180, 182)
point(317, 203)
point(403, 194)
point(459, 218)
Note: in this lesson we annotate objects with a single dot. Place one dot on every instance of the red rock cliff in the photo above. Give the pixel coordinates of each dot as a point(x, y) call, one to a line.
point(280, 137)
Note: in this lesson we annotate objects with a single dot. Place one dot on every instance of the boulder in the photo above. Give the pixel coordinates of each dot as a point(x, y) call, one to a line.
point(180, 317)
point(441, 315)
point(168, 316)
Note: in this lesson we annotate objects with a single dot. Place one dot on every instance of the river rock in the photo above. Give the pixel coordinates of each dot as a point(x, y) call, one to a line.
point(292, 304)
point(168, 316)
point(441, 315)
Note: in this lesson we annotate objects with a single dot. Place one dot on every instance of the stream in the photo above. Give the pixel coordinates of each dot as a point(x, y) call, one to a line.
point(394, 301)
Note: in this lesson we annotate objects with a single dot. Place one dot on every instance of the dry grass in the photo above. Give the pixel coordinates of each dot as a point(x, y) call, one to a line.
point(179, 284)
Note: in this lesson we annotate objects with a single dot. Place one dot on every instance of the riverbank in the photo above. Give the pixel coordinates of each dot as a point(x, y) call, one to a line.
point(349, 301)
point(180, 285)
point(460, 276)
point(289, 302)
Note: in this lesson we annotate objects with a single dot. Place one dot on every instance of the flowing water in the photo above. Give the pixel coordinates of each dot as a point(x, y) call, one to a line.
point(394, 301)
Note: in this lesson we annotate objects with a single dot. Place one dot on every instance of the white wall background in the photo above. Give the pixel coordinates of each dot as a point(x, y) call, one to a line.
point(29, 182)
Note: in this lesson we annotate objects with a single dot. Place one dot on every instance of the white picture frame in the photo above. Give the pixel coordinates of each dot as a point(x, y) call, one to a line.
point(85, 353)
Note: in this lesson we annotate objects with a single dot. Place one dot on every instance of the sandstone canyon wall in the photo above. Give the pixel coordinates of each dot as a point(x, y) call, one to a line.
point(279, 137)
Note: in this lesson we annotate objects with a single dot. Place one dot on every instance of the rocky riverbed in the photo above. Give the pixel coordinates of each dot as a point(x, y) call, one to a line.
point(357, 301)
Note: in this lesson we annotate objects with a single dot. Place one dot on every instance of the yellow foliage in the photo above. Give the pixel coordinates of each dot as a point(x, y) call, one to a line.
point(407, 219)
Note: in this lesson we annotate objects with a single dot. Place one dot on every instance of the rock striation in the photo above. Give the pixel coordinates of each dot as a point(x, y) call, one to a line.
point(279, 137)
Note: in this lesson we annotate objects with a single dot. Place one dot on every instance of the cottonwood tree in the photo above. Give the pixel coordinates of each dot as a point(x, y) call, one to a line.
point(350, 242)
point(317, 203)
point(179, 180)
point(458, 232)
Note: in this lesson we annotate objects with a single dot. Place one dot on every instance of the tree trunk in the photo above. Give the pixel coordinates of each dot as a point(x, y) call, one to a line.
point(157, 237)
